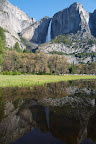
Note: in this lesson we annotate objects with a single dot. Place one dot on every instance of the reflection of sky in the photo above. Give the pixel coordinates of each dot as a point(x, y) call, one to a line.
point(38, 137)
point(88, 141)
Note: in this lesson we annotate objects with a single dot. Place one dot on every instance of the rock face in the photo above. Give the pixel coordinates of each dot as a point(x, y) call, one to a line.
point(37, 32)
point(70, 49)
point(16, 19)
point(60, 47)
point(13, 20)
point(70, 20)
point(74, 19)
point(93, 23)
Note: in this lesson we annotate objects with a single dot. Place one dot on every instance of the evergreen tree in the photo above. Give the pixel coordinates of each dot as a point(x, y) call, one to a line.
point(1, 47)
point(2, 36)
point(72, 69)
point(17, 47)
point(1, 55)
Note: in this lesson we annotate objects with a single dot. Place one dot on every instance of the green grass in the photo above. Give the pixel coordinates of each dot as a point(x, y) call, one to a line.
point(32, 80)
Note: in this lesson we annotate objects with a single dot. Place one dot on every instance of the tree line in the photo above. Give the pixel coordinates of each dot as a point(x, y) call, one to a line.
point(35, 63)
point(41, 63)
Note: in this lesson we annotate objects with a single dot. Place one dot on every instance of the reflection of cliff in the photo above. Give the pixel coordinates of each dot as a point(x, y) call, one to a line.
point(70, 125)
point(72, 122)
point(64, 128)
point(39, 117)
point(21, 120)
point(92, 127)
point(13, 126)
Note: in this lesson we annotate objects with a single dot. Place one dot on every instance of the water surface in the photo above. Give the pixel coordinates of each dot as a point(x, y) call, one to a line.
point(58, 113)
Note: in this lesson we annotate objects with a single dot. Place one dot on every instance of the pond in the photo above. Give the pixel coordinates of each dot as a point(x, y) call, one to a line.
point(56, 113)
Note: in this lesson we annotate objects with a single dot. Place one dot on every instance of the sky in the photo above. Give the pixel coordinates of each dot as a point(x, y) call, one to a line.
point(41, 8)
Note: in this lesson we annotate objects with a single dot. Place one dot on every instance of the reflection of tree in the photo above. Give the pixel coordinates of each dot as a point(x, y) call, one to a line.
point(1, 104)
point(70, 123)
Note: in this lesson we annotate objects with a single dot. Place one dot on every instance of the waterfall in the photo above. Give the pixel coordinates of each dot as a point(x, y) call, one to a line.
point(48, 37)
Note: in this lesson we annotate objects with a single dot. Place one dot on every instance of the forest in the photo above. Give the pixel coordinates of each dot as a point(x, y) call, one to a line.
point(41, 63)
point(15, 61)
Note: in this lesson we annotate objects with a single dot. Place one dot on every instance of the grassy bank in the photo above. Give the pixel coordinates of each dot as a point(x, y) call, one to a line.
point(31, 80)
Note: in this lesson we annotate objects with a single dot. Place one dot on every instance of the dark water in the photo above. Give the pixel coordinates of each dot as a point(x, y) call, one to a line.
point(58, 113)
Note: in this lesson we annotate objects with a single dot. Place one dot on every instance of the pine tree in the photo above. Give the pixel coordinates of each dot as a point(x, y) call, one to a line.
point(2, 36)
point(1, 47)
point(17, 47)
point(1, 55)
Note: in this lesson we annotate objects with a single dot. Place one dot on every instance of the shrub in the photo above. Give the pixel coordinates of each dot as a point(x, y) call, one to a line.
point(62, 39)
point(6, 72)
point(17, 47)
point(16, 72)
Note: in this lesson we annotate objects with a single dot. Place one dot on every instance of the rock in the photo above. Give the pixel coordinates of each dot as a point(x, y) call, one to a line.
point(70, 101)
point(13, 20)
point(9, 107)
point(27, 115)
point(11, 40)
point(37, 32)
point(75, 20)
point(70, 51)
point(16, 18)
point(71, 20)
point(93, 23)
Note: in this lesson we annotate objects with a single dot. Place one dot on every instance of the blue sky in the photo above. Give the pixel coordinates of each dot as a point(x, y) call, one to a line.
point(41, 8)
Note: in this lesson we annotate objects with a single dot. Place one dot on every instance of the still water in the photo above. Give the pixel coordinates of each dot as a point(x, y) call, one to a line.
point(57, 113)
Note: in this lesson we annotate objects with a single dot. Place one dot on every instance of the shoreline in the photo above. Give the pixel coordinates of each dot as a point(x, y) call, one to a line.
point(34, 80)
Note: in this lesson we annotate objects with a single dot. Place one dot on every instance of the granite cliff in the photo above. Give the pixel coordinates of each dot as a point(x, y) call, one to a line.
point(75, 20)
point(13, 20)
point(71, 20)
point(37, 32)
point(93, 23)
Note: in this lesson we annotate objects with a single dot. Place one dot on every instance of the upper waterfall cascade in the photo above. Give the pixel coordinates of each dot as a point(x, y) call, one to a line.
point(48, 37)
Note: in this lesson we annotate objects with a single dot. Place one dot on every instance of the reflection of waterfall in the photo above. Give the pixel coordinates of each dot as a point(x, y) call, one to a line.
point(48, 37)
point(47, 115)
point(83, 132)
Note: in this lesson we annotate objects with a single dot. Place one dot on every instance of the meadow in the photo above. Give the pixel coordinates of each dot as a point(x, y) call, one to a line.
point(32, 80)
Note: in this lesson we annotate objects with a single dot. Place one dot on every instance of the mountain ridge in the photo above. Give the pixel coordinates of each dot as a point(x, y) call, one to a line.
point(71, 20)
point(74, 22)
